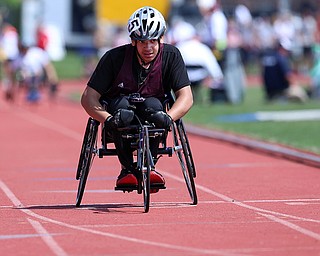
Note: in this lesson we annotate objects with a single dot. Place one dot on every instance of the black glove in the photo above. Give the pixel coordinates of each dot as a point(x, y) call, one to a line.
point(159, 118)
point(121, 118)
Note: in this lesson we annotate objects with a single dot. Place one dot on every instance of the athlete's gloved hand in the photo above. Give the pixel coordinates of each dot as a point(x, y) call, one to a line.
point(159, 118)
point(121, 118)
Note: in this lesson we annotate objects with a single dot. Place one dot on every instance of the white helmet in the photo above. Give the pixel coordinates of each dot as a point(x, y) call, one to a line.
point(146, 23)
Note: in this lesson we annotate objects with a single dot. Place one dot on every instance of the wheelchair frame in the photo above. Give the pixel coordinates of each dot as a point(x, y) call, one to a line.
point(145, 163)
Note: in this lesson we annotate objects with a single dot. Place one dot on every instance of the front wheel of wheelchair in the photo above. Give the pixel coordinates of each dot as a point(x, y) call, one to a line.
point(185, 159)
point(87, 154)
point(146, 169)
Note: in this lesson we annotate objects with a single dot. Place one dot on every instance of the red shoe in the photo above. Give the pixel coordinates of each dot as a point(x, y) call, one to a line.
point(156, 179)
point(126, 179)
point(154, 190)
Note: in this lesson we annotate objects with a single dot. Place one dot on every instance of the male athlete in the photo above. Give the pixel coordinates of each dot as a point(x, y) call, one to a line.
point(148, 67)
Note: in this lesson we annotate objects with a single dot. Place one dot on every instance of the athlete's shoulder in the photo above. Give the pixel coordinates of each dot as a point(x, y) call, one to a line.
point(115, 54)
point(118, 50)
point(171, 52)
point(170, 48)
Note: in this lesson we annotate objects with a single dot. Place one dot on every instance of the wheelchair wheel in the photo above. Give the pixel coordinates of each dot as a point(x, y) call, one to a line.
point(186, 148)
point(146, 169)
point(87, 154)
point(185, 159)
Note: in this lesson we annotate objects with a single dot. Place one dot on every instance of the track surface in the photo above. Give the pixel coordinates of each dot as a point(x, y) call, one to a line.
point(249, 203)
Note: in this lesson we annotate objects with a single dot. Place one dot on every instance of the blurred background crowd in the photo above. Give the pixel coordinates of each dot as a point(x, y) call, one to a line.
point(221, 41)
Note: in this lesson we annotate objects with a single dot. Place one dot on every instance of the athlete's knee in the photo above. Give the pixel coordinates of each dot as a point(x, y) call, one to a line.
point(118, 103)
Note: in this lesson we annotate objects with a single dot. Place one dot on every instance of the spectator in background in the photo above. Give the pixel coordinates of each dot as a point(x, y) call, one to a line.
point(244, 22)
point(315, 74)
point(278, 79)
point(9, 51)
point(285, 28)
point(215, 34)
point(317, 35)
point(188, 10)
point(264, 34)
point(315, 69)
point(308, 34)
point(202, 66)
point(235, 78)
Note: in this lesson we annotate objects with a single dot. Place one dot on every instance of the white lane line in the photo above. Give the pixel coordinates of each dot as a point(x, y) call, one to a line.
point(298, 200)
point(51, 125)
point(19, 205)
point(20, 236)
point(231, 200)
point(47, 238)
point(36, 119)
point(16, 202)
point(243, 205)
point(292, 226)
point(286, 201)
point(301, 203)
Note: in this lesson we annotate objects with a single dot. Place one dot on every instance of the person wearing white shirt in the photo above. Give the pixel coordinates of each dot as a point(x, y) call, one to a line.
point(202, 66)
point(8, 52)
point(33, 67)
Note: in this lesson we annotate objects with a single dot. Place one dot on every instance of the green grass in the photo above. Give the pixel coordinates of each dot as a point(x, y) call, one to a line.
point(298, 134)
point(71, 67)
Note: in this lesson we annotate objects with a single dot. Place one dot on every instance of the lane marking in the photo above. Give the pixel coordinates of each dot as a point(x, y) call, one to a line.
point(257, 209)
point(36, 119)
point(237, 165)
point(19, 236)
point(87, 191)
point(291, 225)
point(19, 205)
point(286, 201)
point(51, 125)
point(297, 228)
point(302, 203)
point(47, 238)
point(240, 204)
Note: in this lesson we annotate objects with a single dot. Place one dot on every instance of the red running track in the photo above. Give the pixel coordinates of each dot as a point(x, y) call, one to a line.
point(249, 203)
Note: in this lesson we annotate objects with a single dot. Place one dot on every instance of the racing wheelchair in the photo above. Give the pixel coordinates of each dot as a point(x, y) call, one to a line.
point(139, 136)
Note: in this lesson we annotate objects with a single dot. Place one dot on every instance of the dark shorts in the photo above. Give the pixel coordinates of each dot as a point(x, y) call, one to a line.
point(123, 147)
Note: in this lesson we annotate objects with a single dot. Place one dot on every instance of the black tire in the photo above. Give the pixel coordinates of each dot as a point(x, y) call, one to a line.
point(87, 154)
point(186, 148)
point(146, 160)
point(185, 159)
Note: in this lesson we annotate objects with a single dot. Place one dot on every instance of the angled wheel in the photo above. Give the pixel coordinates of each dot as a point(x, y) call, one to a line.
point(87, 154)
point(186, 147)
point(184, 155)
point(146, 168)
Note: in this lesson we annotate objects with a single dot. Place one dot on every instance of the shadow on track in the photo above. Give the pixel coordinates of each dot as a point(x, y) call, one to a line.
point(96, 208)
point(106, 208)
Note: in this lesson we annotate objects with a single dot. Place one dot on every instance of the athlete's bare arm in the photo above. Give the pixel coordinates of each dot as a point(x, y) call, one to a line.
point(90, 102)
